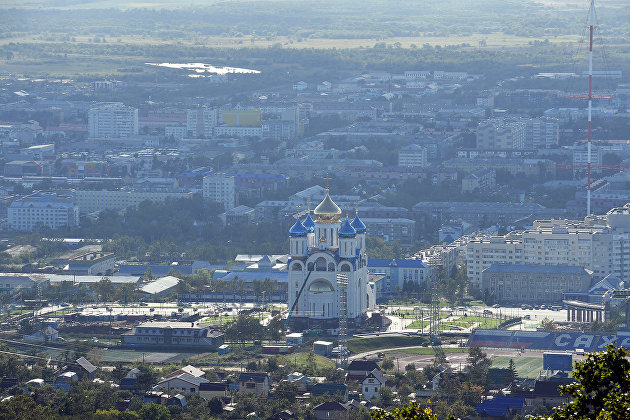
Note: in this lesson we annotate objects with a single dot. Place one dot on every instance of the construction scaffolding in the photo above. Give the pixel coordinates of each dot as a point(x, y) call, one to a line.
point(342, 355)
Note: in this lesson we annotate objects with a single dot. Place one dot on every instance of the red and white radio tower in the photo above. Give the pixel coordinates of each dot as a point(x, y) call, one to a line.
point(591, 19)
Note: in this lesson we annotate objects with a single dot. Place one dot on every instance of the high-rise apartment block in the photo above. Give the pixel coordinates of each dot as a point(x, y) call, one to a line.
point(112, 120)
point(220, 188)
point(200, 122)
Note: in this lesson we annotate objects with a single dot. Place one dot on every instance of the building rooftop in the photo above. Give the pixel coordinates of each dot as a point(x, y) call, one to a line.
point(160, 285)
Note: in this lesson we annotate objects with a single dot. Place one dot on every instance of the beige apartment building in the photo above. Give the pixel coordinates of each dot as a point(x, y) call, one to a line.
point(90, 201)
point(598, 243)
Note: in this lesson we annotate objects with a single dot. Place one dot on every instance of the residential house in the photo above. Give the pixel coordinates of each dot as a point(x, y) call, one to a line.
point(258, 383)
point(331, 410)
point(330, 389)
point(359, 369)
point(372, 384)
point(45, 335)
point(185, 382)
point(177, 400)
point(209, 390)
point(64, 380)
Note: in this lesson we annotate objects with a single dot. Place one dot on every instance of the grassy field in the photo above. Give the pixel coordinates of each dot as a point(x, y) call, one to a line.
point(361, 345)
point(417, 325)
point(300, 361)
point(527, 367)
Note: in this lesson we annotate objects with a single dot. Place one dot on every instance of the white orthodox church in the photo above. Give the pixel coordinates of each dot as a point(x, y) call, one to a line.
point(322, 247)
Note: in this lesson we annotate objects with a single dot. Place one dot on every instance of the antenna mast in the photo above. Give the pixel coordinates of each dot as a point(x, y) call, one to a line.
point(591, 19)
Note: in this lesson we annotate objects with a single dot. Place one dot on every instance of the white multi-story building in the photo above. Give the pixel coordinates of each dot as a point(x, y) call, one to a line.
point(580, 158)
point(598, 243)
point(501, 133)
point(542, 133)
point(112, 120)
point(412, 75)
point(413, 155)
point(238, 131)
point(220, 188)
point(43, 209)
point(200, 122)
point(90, 201)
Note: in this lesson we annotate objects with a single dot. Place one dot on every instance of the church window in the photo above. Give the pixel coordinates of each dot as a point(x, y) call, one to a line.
point(345, 267)
point(311, 266)
point(320, 286)
point(320, 264)
point(323, 309)
point(331, 267)
point(296, 266)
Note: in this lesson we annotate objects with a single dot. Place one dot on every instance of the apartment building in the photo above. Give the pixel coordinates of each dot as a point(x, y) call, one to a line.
point(52, 210)
point(220, 188)
point(413, 155)
point(600, 244)
point(200, 122)
point(90, 201)
point(500, 133)
point(112, 120)
point(542, 133)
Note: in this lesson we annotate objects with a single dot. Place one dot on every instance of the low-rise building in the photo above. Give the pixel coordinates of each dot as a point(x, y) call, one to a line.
point(258, 383)
point(173, 334)
point(331, 410)
point(183, 382)
point(372, 384)
point(160, 287)
point(209, 390)
point(520, 283)
point(398, 272)
point(92, 264)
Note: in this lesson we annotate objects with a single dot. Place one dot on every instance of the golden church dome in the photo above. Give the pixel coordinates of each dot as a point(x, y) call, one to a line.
point(327, 211)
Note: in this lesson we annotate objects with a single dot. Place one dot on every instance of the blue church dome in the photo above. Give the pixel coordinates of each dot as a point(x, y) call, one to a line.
point(347, 231)
point(297, 229)
point(358, 225)
point(308, 223)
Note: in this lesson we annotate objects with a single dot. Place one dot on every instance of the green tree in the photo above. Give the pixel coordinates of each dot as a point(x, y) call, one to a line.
point(22, 407)
point(154, 412)
point(478, 365)
point(602, 391)
point(387, 363)
point(408, 412)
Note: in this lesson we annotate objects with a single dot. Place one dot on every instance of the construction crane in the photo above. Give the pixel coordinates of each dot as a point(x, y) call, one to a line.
point(297, 298)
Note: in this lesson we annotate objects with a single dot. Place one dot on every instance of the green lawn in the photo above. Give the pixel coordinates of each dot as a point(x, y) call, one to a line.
point(300, 361)
point(360, 345)
point(220, 320)
point(417, 325)
point(527, 367)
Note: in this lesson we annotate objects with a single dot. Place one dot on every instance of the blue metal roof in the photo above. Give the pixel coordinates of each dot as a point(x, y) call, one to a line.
point(542, 269)
point(358, 225)
point(347, 231)
point(387, 262)
point(298, 229)
point(308, 223)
